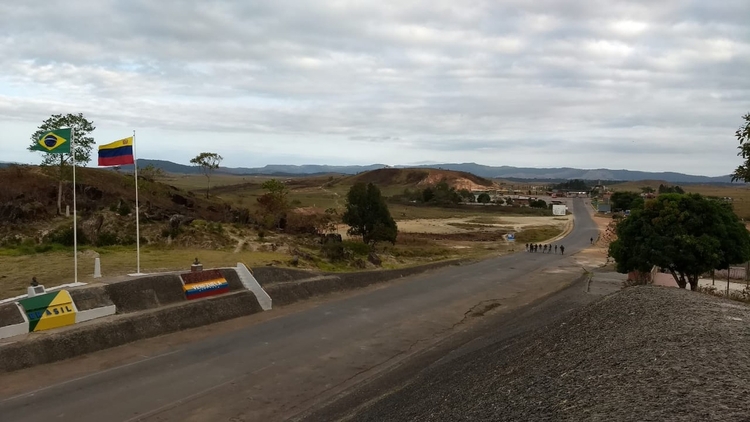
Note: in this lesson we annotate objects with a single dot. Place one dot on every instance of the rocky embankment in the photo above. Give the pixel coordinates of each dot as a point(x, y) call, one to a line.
point(642, 354)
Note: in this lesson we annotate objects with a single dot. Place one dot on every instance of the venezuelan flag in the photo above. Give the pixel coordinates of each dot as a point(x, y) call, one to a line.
point(117, 153)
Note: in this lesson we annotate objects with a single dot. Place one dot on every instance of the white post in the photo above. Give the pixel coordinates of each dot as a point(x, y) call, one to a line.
point(97, 268)
point(75, 215)
point(137, 212)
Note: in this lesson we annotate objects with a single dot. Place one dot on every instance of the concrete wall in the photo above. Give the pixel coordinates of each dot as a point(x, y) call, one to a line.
point(289, 292)
point(79, 340)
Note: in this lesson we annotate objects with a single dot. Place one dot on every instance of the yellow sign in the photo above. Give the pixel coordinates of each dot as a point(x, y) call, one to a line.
point(50, 310)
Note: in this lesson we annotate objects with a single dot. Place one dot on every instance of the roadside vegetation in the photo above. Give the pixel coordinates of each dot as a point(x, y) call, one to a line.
point(686, 234)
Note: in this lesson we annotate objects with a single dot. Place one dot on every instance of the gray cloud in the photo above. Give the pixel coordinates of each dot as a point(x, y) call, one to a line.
point(424, 80)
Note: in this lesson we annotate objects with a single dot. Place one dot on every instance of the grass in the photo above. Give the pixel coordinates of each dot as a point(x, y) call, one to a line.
point(55, 268)
point(538, 234)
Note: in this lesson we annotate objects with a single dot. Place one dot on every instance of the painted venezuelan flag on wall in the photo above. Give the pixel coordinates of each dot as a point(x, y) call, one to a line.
point(50, 310)
point(204, 283)
point(117, 153)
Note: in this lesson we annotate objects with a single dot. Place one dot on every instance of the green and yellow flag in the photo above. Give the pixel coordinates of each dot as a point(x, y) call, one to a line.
point(55, 142)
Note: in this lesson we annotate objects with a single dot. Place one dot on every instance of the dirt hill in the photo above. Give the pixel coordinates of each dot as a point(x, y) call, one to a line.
point(106, 208)
point(29, 193)
point(642, 354)
point(421, 178)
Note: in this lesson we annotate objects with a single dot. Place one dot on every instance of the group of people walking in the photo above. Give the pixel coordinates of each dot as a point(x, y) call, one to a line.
point(531, 247)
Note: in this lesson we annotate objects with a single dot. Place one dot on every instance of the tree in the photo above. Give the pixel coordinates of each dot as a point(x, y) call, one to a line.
point(539, 203)
point(208, 163)
point(670, 189)
point(576, 185)
point(484, 198)
point(368, 216)
point(686, 234)
point(626, 201)
point(647, 189)
point(442, 193)
point(150, 173)
point(82, 145)
point(743, 135)
point(466, 195)
point(273, 203)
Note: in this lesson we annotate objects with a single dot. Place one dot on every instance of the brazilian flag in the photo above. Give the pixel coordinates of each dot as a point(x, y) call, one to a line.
point(55, 142)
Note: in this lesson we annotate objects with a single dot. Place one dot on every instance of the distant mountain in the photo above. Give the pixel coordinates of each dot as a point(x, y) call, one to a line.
point(304, 169)
point(501, 172)
point(271, 170)
point(567, 173)
point(167, 166)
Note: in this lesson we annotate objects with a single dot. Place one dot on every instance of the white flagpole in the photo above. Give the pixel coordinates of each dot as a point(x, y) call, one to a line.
point(137, 212)
point(75, 214)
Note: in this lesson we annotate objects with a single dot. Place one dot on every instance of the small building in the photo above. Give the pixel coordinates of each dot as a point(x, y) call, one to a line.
point(604, 208)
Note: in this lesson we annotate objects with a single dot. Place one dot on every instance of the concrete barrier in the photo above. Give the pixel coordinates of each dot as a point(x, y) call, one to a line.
point(285, 293)
point(92, 302)
point(123, 329)
point(13, 321)
point(146, 292)
point(268, 275)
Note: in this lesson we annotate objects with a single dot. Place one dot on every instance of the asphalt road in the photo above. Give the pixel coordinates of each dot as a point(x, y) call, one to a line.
point(275, 368)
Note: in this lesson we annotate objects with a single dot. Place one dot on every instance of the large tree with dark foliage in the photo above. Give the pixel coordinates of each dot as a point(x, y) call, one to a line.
point(688, 235)
point(61, 163)
point(743, 135)
point(622, 201)
point(368, 216)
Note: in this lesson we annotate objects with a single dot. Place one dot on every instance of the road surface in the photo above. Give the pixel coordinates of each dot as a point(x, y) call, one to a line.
point(279, 364)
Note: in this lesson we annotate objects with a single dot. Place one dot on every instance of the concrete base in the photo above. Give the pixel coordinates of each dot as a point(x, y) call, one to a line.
point(16, 329)
point(252, 284)
point(95, 313)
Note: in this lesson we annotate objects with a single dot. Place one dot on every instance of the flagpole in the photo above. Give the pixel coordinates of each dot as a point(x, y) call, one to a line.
point(137, 212)
point(75, 214)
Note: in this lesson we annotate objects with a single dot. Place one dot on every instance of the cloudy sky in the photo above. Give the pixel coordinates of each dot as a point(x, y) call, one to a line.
point(657, 86)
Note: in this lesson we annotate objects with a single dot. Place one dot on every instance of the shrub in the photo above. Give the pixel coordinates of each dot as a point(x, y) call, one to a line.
point(64, 237)
point(106, 239)
point(334, 251)
point(357, 248)
point(124, 208)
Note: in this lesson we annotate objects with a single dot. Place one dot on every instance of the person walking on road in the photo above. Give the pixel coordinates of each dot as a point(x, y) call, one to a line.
point(562, 249)
point(544, 248)
point(555, 249)
point(527, 247)
point(592, 240)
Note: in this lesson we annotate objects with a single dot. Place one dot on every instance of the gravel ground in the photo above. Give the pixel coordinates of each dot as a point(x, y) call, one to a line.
point(642, 354)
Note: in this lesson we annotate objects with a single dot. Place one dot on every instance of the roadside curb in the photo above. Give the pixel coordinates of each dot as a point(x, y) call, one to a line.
point(568, 229)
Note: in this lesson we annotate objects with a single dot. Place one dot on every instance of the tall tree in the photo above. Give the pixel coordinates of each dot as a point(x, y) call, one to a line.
point(273, 203)
point(743, 135)
point(687, 234)
point(59, 165)
point(368, 216)
point(208, 163)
